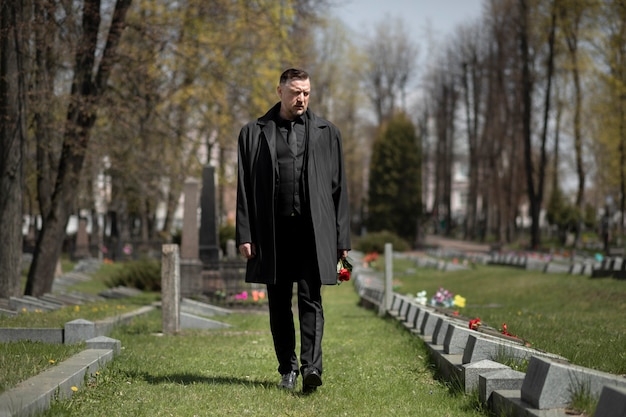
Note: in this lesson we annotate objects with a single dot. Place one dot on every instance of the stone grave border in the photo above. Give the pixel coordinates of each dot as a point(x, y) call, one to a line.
point(468, 358)
point(611, 266)
point(35, 394)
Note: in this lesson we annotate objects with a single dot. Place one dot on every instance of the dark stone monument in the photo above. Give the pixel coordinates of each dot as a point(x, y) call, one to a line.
point(190, 265)
point(81, 250)
point(209, 247)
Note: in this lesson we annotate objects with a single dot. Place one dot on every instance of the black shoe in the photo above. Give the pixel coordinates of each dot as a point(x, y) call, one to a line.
point(288, 381)
point(311, 379)
point(308, 389)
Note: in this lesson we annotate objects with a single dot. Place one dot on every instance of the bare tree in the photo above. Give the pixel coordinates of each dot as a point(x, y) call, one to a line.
point(335, 55)
point(444, 99)
point(534, 179)
point(472, 72)
point(89, 83)
point(391, 64)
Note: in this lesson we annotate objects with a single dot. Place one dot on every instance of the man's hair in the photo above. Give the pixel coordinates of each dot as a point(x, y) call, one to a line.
point(293, 74)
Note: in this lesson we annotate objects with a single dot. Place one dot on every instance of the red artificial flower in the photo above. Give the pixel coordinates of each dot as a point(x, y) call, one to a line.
point(370, 257)
point(474, 324)
point(506, 332)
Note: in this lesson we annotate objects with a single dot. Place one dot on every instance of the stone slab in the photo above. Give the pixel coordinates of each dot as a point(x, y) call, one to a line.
point(397, 301)
point(504, 379)
point(119, 292)
point(550, 383)
point(60, 299)
point(471, 372)
point(51, 304)
point(448, 366)
point(535, 265)
point(412, 312)
point(87, 298)
point(428, 323)
point(188, 305)
point(25, 304)
point(509, 403)
point(104, 342)
point(557, 268)
point(612, 402)
point(78, 331)
point(404, 307)
point(441, 328)
point(456, 339)
point(105, 326)
point(54, 336)
point(189, 321)
point(35, 394)
point(484, 346)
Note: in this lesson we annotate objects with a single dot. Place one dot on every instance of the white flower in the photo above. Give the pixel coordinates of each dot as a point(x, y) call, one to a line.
point(421, 297)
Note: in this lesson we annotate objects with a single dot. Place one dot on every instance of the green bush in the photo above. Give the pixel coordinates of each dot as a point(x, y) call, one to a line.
point(375, 242)
point(143, 274)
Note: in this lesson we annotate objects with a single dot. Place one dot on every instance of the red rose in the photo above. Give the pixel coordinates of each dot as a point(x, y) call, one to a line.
point(344, 275)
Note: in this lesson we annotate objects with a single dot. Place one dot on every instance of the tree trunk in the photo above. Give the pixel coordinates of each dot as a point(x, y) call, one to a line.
point(12, 145)
point(535, 193)
point(87, 88)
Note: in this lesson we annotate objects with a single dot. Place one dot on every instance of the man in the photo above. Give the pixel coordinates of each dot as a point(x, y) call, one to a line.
point(293, 220)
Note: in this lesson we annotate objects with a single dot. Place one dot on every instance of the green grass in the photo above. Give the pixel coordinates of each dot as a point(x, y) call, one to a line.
point(89, 311)
point(576, 317)
point(372, 367)
point(21, 360)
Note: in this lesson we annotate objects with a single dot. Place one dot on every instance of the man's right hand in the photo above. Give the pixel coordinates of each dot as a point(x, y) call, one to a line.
point(248, 250)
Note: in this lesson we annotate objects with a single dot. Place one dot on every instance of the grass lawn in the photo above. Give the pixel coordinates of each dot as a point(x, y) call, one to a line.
point(21, 360)
point(577, 317)
point(372, 367)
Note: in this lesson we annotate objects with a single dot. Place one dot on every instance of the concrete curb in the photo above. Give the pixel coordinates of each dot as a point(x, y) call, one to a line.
point(35, 394)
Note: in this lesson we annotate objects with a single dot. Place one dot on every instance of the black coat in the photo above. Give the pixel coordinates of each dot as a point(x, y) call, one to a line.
point(325, 191)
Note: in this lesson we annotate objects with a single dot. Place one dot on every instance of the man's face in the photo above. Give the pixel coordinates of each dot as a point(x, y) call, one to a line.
point(294, 98)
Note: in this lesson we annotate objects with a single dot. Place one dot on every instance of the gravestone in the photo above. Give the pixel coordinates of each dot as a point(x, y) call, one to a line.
point(231, 249)
point(190, 264)
point(82, 240)
point(209, 248)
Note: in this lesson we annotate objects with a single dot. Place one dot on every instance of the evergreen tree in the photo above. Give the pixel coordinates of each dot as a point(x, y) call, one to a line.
point(395, 180)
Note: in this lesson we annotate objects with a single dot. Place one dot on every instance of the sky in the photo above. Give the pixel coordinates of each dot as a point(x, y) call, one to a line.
point(430, 23)
point(439, 17)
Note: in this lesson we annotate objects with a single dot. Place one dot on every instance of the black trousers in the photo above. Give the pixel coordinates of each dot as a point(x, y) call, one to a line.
point(296, 262)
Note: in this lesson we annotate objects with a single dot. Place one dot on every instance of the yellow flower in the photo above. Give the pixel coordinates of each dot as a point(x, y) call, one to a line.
point(74, 388)
point(51, 361)
point(459, 301)
point(77, 308)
